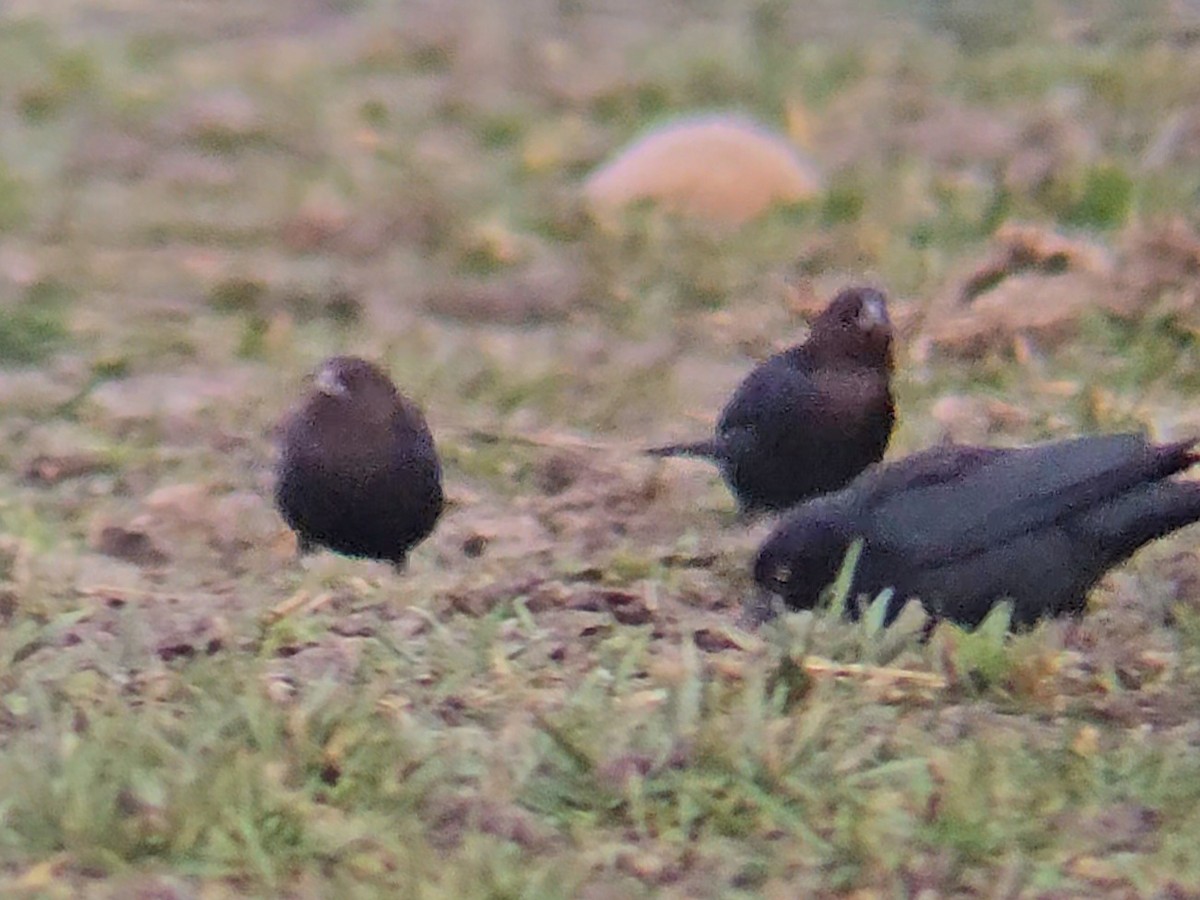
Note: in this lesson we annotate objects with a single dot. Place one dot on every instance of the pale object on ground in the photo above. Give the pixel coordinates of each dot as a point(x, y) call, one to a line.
point(724, 168)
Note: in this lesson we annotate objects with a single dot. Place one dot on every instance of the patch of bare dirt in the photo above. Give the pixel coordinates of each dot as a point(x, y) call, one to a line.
point(543, 290)
point(50, 469)
point(1161, 263)
point(173, 397)
point(166, 625)
point(975, 420)
point(1034, 284)
point(1051, 142)
point(608, 500)
point(950, 133)
point(1037, 285)
point(334, 657)
point(130, 544)
point(452, 817)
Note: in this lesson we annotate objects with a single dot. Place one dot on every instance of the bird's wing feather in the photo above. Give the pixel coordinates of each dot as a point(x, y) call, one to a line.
point(1010, 494)
point(769, 393)
point(831, 402)
point(942, 464)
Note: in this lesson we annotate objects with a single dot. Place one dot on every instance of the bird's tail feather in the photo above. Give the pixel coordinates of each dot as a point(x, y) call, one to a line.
point(708, 449)
point(1133, 519)
point(1176, 457)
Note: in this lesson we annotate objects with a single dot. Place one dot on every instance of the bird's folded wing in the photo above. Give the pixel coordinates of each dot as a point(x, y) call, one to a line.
point(1011, 494)
point(938, 465)
point(772, 392)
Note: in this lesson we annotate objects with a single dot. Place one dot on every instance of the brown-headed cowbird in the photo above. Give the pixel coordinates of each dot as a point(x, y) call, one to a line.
point(808, 419)
point(963, 528)
point(358, 471)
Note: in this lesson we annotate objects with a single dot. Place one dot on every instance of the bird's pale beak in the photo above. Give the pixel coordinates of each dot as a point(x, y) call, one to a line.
point(873, 315)
point(327, 382)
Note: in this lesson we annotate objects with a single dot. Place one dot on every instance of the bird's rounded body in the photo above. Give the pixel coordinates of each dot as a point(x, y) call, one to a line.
point(808, 419)
point(358, 470)
point(963, 528)
point(790, 435)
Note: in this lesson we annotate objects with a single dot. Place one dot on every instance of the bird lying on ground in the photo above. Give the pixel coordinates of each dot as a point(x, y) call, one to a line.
point(963, 528)
point(808, 419)
point(358, 471)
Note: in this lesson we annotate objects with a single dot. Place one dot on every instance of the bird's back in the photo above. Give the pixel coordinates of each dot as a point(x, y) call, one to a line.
point(1016, 491)
point(963, 528)
point(792, 431)
point(1036, 525)
point(359, 486)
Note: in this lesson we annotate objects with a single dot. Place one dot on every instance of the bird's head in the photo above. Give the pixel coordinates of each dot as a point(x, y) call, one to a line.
point(855, 326)
point(802, 557)
point(351, 377)
point(347, 381)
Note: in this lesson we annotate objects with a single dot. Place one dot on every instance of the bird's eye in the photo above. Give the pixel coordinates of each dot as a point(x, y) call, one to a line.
point(782, 574)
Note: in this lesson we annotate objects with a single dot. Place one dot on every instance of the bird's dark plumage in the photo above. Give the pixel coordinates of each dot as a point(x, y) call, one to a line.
point(808, 419)
point(963, 528)
point(358, 471)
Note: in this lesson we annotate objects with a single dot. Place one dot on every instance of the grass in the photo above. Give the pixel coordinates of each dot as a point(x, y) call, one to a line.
point(199, 204)
point(35, 326)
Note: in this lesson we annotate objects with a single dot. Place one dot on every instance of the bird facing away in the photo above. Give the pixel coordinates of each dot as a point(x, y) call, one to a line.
point(963, 528)
point(358, 471)
point(808, 419)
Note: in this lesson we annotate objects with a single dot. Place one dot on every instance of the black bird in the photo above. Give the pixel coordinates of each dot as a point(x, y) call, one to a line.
point(358, 471)
point(808, 419)
point(963, 528)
